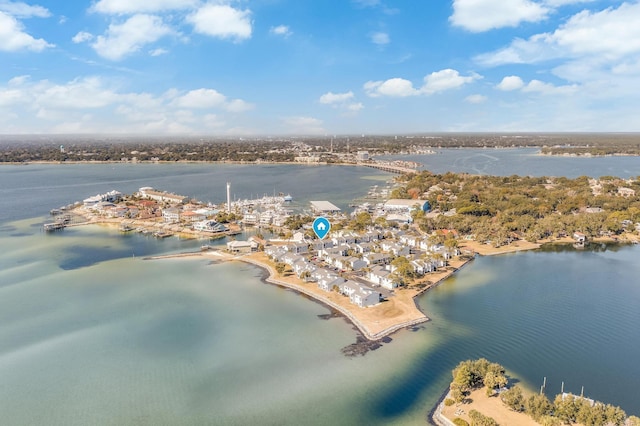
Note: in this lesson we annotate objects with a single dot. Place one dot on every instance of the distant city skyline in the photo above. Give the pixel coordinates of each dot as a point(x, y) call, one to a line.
point(287, 67)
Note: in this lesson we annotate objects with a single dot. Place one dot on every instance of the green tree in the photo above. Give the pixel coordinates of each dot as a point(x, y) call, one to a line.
point(537, 406)
point(280, 267)
point(513, 398)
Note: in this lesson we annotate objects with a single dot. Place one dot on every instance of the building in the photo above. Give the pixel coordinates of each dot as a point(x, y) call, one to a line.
point(171, 215)
point(148, 192)
point(406, 206)
point(241, 246)
point(362, 155)
point(324, 207)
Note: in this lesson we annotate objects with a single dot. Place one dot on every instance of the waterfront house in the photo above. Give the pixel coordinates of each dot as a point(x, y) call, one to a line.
point(290, 258)
point(239, 247)
point(250, 218)
point(327, 280)
point(382, 277)
point(302, 266)
point(209, 226)
point(359, 294)
point(171, 215)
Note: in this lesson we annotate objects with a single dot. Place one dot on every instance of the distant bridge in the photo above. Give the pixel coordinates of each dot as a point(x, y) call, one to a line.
point(391, 168)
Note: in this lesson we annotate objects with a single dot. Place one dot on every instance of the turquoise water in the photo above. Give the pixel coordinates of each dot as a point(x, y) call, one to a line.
point(93, 334)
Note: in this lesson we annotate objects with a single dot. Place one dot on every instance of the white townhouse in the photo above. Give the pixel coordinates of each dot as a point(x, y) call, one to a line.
point(359, 294)
point(382, 277)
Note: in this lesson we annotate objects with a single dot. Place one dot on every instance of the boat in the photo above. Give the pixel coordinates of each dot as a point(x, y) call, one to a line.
point(125, 227)
point(55, 226)
point(162, 234)
point(288, 198)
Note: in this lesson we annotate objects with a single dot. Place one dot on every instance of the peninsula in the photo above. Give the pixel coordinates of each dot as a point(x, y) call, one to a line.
point(482, 394)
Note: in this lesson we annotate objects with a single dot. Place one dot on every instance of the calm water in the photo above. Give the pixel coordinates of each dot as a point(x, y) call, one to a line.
point(92, 334)
point(523, 161)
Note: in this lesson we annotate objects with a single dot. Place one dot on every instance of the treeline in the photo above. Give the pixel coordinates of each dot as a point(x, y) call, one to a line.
point(568, 409)
point(514, 207)
point(141, 151)
point(149, 148)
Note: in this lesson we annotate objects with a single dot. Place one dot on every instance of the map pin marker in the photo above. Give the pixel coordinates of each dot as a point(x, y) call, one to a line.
point(321, 226)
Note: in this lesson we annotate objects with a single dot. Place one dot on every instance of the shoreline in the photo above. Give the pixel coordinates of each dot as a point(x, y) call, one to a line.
point(374, 323)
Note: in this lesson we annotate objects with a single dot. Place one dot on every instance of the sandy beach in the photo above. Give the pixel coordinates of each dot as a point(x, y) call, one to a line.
point(489, 406)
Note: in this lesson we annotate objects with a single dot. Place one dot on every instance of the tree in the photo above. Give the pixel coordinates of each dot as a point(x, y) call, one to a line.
point(403, 268)
point(280, 267)
point(513, 398)
point(538, 405)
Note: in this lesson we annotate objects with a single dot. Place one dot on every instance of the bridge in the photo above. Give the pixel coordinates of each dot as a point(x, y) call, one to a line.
point(391, 168)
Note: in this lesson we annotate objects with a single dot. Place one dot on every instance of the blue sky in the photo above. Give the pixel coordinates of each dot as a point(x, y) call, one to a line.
point(282, 67)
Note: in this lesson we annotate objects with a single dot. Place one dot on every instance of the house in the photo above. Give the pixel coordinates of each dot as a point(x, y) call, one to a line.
point(327, 280)
point(251, 218)
point(302, 266)
point(290, 258)
point(365, 297)
point(171, 215)
point(364, 247)
point(191, 216)
point(376, 259)
point(209, 226)
point(579, 237)
point(240, 247)
point(382, 277)
point(318, 245)
point(297, 248)
point(359, 294)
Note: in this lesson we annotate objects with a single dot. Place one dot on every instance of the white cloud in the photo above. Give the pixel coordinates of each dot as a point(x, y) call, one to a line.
point(395, 87)
point(484, 15)
point(23, 10)
point(281, 30)
point(607, 35)
point(201, 98)
point(332, 98)
point(158, 52)
point(82, 37)
point(512, 82)
point(129, 37)
point(558, 3)
point(438, 81)
point(537, 86)
point(210, 98)
point(446, 79)
point(13, 38)
point(355, 107)
point(222, 21)
point(120, 7)
point(475, 99)
point(238, 105)
point(380, 38)
point(303, 125)
point(92, 104)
